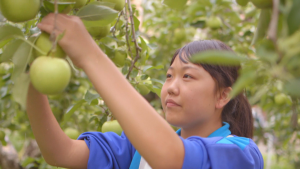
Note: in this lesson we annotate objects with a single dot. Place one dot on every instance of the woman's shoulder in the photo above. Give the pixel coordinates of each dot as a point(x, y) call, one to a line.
point(225, 152)
point(233, 140)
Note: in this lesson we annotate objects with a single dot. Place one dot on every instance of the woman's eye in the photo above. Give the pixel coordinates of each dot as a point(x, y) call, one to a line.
point(187, 76)
point(169, 75)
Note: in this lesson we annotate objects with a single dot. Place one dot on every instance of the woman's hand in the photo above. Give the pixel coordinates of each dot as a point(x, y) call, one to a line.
point(76, 42)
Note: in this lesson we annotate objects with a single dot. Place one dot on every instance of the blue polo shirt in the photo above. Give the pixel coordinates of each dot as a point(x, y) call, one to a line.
point(219, 150)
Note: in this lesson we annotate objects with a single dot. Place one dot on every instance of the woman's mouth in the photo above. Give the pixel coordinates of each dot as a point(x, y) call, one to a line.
point(171, 103)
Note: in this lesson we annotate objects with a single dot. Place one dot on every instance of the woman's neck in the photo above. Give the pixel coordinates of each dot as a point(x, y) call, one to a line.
point(203, 129)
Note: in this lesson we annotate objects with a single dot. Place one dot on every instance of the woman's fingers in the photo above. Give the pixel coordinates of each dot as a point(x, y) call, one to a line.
point(48, 23)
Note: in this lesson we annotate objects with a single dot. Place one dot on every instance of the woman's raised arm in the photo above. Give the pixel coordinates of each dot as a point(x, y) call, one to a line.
point(149, 133)
point(56, 147)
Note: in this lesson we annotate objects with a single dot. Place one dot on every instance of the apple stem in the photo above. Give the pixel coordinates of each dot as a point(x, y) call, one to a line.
point(137, 48)
point(53, 35)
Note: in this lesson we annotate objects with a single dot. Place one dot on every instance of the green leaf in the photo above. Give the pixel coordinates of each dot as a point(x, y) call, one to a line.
point(177, 5)
point(10, 50)
point(144, 45)
point(3, 92)
point(136, 23)
point(21, 57)
point(63, 7)
point(8, 31)
point(27, 161)
point(92, 118)
point(93, 15)
point(144, 77)
point(244, 80)
point(20, 88)
point(156, 90)
point(89, 97)
point(125, 69)
point(108, 4)
point(218, 58)
point(158, 81)
point(4, 42)
point(71, 110)
point(149, 67)
point(134, 73)
point(292, 87)
point(262, 26)
point(293, 17)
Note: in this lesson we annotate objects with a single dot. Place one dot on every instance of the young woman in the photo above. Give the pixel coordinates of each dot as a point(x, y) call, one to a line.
point(215, 129)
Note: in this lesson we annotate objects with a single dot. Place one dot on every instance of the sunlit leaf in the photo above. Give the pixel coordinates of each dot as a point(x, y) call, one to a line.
point(63, 7)
point(21, 57)
point(89, 97)
point(20, 88)
point(149, 67)
point(178, 4)
point(292, 87)
point(218, 58)
point(8, 31)
point(136, 23)
point(293, 17)
point(10, 50)
point(71, 110)
point(96, 15)
point(263, 25)
point(244, 80)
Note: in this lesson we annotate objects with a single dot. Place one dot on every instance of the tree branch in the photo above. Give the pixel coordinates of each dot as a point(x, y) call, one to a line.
point(127, 32)
point(272, 30)
point(113, 29)
point(53, 35)
point(137, 48)
point(294, 118)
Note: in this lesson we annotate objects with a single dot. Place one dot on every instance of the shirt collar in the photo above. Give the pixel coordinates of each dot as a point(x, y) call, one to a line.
point(220, 132)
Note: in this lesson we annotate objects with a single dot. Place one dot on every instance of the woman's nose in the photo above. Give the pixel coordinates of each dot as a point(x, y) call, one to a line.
point(173, 88)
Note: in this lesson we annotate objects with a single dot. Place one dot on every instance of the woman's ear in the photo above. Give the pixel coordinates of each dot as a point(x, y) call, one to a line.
point(223, 98)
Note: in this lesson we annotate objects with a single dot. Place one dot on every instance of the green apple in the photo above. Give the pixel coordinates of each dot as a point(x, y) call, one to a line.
point(242, 2)
point(262, 3)
point(119, 59)
point(43, 43)
point(50, 75)
point(281, 98)
point(19, 10)
point(179, 35)
point(113, 126)
point(214, 22)
point(178, 4)
point(119, 4)
point(99, 32)
point(72, 133)
point(80, 3)
point(143, 89)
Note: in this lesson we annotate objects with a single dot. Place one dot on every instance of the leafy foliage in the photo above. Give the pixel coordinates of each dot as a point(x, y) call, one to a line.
point(270, 62)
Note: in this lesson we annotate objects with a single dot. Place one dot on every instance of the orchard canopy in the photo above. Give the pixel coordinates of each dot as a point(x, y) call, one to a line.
point(140, 37)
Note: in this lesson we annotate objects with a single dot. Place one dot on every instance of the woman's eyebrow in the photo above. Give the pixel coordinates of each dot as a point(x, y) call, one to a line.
point(183, 68)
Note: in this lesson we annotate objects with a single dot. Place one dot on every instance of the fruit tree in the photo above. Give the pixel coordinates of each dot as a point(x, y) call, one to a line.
point(140, 37)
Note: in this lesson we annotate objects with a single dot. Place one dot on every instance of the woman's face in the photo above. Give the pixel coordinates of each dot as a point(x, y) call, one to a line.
point(188, 96)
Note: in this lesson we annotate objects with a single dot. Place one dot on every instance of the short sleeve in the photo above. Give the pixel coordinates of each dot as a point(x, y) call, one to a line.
point(108, 150)
point(218, 152)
